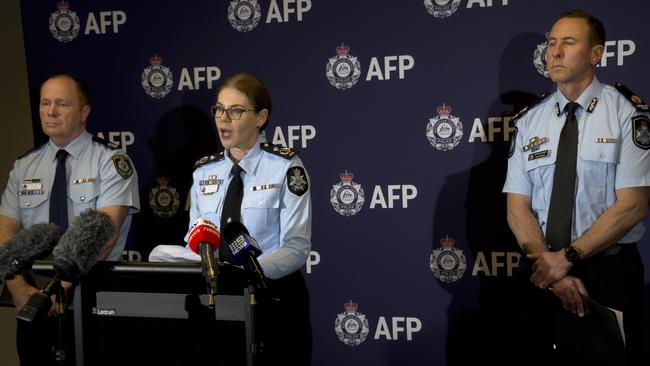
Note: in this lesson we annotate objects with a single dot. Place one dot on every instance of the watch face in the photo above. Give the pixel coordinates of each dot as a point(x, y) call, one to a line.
point(572, 254)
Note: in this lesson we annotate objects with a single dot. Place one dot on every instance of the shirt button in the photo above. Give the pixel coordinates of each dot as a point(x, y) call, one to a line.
point(28, 203)
point(82, 198)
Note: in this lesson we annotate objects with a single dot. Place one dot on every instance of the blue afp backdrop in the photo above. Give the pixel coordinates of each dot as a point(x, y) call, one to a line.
point(401, 112)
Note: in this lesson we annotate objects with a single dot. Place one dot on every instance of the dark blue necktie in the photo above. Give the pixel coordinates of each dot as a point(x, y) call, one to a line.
point(59, 194)
point(560, 212)
point(232, 205)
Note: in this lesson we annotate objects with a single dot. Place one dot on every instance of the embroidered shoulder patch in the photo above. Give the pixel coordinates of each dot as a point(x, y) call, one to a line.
point(641, 131)
point(297, 180)
point(123, 165)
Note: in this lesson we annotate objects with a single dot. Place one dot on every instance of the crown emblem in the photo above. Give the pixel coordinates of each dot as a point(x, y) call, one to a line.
point(342, 50)
point(351, 307)
point(63, 5)
point(163, 181)
point(346, 177)
point(444, 110)
point(155, 60)
point(447, 241)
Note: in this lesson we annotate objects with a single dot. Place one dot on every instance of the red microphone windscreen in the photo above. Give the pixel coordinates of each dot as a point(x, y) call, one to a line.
point(203, 231)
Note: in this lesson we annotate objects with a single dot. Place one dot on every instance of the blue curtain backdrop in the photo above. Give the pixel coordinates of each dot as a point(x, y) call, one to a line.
point(401, 113)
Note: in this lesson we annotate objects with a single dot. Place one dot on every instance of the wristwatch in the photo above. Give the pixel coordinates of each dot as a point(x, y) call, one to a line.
point(572, 254)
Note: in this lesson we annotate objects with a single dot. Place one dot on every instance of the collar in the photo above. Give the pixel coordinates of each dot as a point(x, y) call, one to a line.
point(250, 162)
point(588, 99)
point(74, 148)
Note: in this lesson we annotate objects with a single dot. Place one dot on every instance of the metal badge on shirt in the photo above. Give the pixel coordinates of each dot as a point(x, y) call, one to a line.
point(533, 146)
point(297, 180)
point(210, 185)
point(31, 186)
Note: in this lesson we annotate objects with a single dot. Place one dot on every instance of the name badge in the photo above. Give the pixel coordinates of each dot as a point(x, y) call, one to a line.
point(210, 185)
point(538, 155)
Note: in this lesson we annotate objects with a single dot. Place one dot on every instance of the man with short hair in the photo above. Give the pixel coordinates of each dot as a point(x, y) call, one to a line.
point(54, 182)
point(577, 184)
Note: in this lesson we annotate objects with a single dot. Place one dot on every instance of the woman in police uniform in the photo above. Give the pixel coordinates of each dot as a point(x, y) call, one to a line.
point(275, 208)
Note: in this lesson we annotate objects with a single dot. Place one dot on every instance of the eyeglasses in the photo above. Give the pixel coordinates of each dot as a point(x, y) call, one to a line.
point(233, 112)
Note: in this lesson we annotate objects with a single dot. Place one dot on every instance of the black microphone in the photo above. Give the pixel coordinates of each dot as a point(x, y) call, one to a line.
point(75, 255)
point(18, 253)
point(244, 250)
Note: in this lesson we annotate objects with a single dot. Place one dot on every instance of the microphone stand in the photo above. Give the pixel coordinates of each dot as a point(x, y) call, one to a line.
point(59, 352)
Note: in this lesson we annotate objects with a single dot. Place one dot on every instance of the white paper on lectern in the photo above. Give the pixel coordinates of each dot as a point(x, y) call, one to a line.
point(173, 253)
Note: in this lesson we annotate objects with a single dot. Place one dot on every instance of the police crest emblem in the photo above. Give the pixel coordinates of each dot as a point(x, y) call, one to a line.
point(539, 59)
point(444, 131)
point(448, 263)
point(156, 79)
point(123, 166)
point(64, 23)
point(297, 180)
point(347, 197)
point(343, 70)
point(163, 199)
point(641, 131)
point(351, 326)
point(441, 8)
point(244, 15)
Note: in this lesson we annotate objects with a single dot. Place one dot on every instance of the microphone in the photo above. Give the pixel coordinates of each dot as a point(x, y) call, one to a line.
point(244, 251)
point(75, 255)
point(18, 253)
point(204, 239)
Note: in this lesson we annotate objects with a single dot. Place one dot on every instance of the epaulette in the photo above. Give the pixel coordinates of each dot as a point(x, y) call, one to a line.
point(31, 150)
point(524, 110)
point(208, 159)
point(278, 150)
point(108, 144)
point(636, 100)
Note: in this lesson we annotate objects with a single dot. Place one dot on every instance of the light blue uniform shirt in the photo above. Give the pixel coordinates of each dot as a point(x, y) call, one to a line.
point(93, 182)
point(278, 219)
point(608, 158)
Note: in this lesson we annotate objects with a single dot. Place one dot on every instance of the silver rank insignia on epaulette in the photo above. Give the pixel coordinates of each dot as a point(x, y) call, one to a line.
point(557, 109)
point(534, 144)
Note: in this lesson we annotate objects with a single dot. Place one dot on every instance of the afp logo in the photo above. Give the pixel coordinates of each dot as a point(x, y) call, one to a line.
point(444, 131)
point(445, 8)
point(347, 197)
point(157, 79)
point(351, 326)
point(245, 15)
point(344, 70)
point(64, 24)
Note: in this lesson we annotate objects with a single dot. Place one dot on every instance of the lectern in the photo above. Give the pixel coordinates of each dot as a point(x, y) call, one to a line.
point(118, 300)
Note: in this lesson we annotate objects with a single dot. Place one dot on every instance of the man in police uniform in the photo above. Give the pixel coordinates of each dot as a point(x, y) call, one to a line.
point(599, 259)
point(99, 176)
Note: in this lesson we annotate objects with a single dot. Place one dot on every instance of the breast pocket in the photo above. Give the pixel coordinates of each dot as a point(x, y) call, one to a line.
point(261, 210)
point(208, 206)
point(83, 196)
point(540, 173)
point(598, 171)
point(31, 205)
